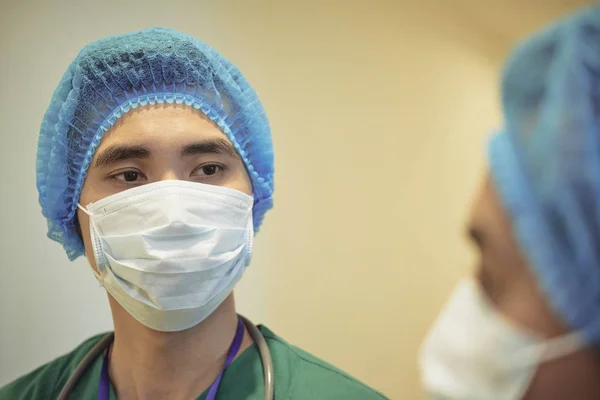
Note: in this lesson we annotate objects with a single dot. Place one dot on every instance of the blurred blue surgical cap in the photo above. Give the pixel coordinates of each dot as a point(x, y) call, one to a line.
point(111, 76)
point(546, 163)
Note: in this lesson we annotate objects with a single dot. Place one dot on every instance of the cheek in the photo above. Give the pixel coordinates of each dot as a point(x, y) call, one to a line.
point(518, 296)
point(501, 271)
point(241, 181)
point(571, 377)
point(513, 287)
point(247, 186)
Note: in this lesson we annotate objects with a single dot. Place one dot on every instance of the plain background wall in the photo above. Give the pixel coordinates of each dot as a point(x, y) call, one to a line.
point(379, 113)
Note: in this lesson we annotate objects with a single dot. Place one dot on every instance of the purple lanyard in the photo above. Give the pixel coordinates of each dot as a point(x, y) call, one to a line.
point(104, 388)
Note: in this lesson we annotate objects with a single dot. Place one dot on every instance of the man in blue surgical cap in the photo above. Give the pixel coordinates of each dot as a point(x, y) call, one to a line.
point(528, 325)
point(155, 161)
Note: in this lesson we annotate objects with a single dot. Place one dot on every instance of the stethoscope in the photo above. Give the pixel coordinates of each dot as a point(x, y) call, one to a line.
point(102, 345)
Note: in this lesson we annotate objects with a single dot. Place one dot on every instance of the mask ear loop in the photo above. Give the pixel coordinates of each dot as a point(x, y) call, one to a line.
point(250, 239)
point(551, 349)
point(561, 346)
point(97, 247)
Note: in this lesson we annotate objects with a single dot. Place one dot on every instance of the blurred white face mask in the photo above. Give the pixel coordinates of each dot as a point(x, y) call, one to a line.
point(474, 353)
point(171, 252)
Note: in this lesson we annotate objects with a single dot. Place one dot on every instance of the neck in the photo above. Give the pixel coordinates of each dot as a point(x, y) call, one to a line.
point(147, 364)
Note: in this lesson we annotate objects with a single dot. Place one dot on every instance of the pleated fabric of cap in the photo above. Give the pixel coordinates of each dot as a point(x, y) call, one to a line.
point(546, 163)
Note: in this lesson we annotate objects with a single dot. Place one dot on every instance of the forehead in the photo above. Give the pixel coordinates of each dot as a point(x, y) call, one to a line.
point(161, 125)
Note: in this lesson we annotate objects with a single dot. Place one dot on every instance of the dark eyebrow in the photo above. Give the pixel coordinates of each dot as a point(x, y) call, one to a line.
point(210, 146)
point(118, 153)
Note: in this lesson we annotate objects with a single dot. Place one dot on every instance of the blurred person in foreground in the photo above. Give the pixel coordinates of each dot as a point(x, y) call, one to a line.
point(527, 326)
point(155, 160)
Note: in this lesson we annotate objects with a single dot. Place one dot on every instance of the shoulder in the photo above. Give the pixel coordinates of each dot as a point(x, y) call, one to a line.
point(306, 376)
point(47, 381)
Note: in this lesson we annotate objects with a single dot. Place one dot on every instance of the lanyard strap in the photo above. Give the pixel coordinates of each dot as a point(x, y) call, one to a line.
point(104, 388)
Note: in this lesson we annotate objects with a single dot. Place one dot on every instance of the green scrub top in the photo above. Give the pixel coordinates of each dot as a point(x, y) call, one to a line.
point(298, 375)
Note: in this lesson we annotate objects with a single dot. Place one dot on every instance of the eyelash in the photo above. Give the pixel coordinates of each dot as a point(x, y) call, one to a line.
point(115, 177)
point(219, 168)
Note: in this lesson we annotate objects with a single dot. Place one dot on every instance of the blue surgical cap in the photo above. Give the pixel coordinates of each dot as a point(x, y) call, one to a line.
point(546, 163)
point(111, 76)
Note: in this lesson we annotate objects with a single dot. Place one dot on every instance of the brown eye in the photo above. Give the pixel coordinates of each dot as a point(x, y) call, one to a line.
point(210, 169)
point(131, 176)
point(207, 170)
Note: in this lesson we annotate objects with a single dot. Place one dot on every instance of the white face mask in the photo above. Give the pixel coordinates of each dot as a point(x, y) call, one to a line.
point(171, 252)
point(474, 353)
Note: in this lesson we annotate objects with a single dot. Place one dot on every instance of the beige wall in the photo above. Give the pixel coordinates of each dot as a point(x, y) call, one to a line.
point(379, 120)
point(379, 113)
